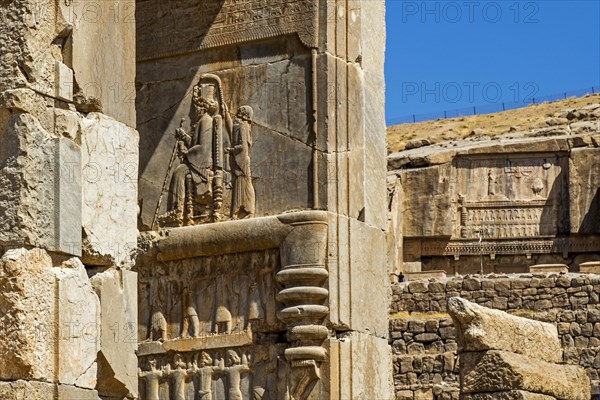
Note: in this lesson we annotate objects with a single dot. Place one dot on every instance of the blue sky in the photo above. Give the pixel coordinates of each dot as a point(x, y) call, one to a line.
point(444, 55)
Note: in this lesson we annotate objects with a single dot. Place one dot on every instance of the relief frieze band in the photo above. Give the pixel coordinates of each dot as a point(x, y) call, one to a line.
point(215, 23)
point(253, 372)
point(212, 295)
point(519, 196)
point(526, 246)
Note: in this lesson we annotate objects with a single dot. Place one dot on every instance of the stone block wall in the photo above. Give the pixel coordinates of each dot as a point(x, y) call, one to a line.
point(423, 338)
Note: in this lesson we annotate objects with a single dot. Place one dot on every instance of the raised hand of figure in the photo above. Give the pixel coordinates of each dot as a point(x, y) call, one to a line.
point(180, 133)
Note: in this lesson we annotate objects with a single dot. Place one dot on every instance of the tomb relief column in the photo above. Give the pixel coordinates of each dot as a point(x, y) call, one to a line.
point(266, 136)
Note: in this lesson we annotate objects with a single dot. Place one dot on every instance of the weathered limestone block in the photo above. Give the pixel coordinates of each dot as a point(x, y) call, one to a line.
point(355, 271)
point(49, 320)
point(27, 316)
point(68, 392)
point(40, 183)
point(21, 390)
point(508, 395)
point(117, 362)
point(481, 329)
point(375, 145)
point(425, 275)
point(394, 237)
point(368, 359)
point(66, 124)
point(32, 33)
point(547, 268)
point(101, 50)
point(494, 371)
point(78, 320)
point(591, 267)
point(109, 173)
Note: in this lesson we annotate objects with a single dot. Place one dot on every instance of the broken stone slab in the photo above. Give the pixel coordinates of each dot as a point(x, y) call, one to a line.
point(591, 267)
point(547, 268)
point(496, 371)
point(480, 328)
point(117, 361)
point(508, 395)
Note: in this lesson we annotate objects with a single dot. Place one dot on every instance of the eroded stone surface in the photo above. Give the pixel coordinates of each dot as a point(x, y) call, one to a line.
point(39, 172)
point(109, 178)
point(50, 322)
point(33, 390)
point(481, 329)
point(508, 395)
point(367, 353)
point(27, 294)
point(492, 371)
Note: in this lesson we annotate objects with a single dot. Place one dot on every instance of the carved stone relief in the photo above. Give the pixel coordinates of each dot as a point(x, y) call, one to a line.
point(195, 25)
point(222, 309)
point(517, 196)
point(213, 179)
point(253, 372)
point(513, 177)
point(207, 297)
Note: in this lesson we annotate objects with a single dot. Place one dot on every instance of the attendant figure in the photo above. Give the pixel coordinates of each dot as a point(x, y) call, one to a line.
point(491, 183)
point(158, 322)
point(205, 372)
point(179, 375)
point(243, 195)
point(191, 322)
point(152, 378)
point(234, 372)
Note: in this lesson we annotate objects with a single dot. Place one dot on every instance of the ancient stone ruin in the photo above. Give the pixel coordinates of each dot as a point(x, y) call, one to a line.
point(192, 200)
point(508, 221)
point(508, 357)
point(500, 204)
point(193, 206)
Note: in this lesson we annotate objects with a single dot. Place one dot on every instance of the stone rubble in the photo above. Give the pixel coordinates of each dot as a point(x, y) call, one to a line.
point(491, 359)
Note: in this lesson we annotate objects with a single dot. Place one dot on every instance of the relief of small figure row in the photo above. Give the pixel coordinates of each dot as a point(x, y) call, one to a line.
point(506, 231)
point(202, 370)
point(530, 214)
point(211, 309)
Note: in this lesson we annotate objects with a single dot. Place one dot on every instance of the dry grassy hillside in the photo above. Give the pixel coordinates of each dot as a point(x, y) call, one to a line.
point(522, 119)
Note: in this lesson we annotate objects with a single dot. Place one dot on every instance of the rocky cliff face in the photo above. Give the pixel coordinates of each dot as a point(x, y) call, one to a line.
point(516, 198)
